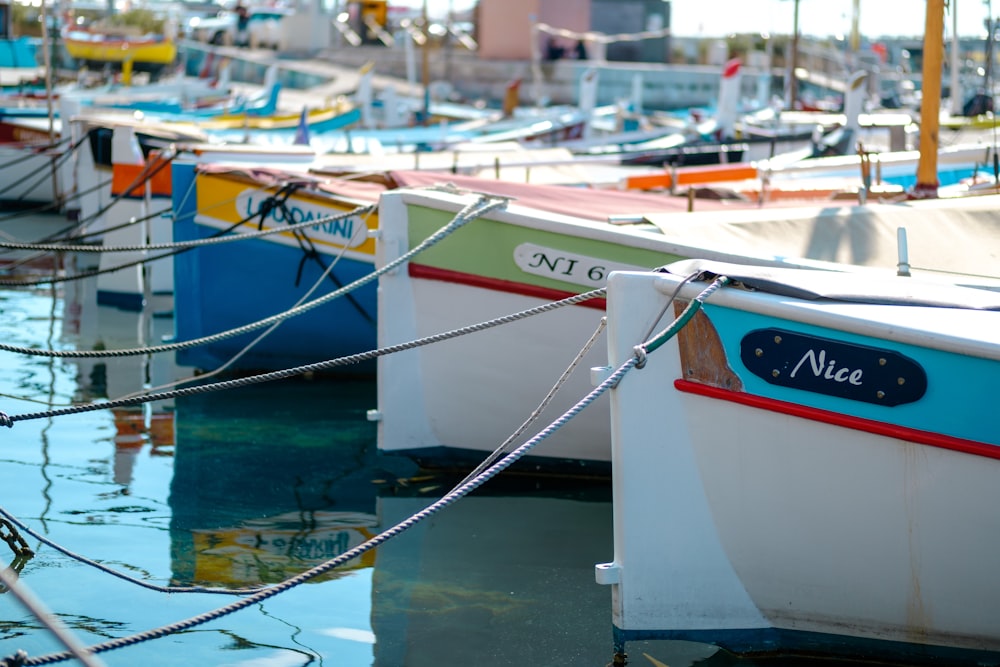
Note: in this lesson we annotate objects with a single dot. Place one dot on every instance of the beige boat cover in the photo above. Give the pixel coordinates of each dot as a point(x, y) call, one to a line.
point(954, 236)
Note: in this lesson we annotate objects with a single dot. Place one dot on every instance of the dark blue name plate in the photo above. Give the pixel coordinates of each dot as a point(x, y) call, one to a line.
point(832, 367)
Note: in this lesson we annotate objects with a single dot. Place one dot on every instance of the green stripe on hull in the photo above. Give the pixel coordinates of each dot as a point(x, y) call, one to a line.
point(487, 248)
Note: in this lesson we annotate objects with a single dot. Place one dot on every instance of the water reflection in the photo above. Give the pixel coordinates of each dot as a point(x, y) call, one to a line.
point(505, 576)
point(270, 480)
point(87, 326)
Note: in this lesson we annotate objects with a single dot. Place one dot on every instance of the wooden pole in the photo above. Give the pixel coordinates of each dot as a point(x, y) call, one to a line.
point(47, 63)
point(955, 99)
point(855, 29)
point(793, 83)
point(926, 186)
point(425, 71)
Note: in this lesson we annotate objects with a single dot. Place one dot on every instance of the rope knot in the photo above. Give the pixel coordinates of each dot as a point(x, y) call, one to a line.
point(5, 420)
point(640, 355)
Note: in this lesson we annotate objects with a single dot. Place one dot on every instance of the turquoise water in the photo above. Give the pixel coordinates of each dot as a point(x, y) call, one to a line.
point(250, 486)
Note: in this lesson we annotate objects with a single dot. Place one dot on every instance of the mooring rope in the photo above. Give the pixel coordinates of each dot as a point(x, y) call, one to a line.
point(53, 163)
point(418, 343)
point(34, 149)
point(654, 343)
point(264, 334)
point(175, 248)
point(399, 528)
point(460, 491)
point(82, 224)
point(9, 420)
point(74, 648)
point(261, 595)
point(107, 570)
point(63, 200)
point(469, 213)
point(148, 171)
point(546, 400)
point(43, 208)
point(186, 245)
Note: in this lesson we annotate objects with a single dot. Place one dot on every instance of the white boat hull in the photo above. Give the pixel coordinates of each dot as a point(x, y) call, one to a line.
point(762, 524)
point(475, 426)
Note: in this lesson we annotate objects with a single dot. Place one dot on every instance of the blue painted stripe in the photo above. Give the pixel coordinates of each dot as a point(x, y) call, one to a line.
point(957, 386)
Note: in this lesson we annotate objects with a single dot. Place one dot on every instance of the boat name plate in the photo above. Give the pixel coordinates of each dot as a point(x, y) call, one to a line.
point(567, 266)
point(332, 226)
point(833, 367)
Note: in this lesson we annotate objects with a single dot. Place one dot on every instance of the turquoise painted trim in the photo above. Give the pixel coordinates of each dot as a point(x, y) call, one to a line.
point(19, 53)
point(957, 386)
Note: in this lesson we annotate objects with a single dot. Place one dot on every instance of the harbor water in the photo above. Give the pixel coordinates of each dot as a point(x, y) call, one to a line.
point(247, 487)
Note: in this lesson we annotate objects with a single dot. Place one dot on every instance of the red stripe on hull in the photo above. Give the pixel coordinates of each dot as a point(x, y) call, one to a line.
point(443, 275)
point(12, 133)
point(846, 421)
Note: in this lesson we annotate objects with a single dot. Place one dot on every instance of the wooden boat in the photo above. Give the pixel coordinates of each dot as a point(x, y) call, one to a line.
point(816, 453)
point(141, 183)
point(892, 172)
point(20, 62)
point(98, 45)
point(38, 164)
point(525, 256)
point(220, 287)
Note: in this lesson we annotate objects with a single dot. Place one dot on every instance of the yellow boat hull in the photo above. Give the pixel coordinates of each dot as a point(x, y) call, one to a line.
point(273, 121)
point(118, 51)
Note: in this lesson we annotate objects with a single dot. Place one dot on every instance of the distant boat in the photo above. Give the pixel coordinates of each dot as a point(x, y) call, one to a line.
point(97, 45)
point(817, 454)
point(37, 164)
point(19, 62)
point(890, 173)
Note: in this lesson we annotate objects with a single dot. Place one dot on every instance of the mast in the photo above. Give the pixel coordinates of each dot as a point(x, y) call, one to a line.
point(47, 61)
point(855, 29)
point(955, 99)
point(930, 104)
point(425, 72)
point(793, 81)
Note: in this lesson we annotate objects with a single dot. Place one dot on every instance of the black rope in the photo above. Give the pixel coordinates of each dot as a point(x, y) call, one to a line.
point(54, 206)
point(309, 252)
point(35, 150)
point(277, 200)
point(140, 178)
point(8, 518)
point(96, 272)
point(53, 164)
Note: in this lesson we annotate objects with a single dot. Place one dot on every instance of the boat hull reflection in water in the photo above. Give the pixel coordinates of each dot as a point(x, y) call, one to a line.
point(263, 490)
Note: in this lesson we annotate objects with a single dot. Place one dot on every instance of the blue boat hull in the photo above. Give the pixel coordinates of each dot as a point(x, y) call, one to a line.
point(224, 286)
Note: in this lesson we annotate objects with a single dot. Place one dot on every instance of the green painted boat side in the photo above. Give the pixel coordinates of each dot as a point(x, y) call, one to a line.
point(486, 248)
